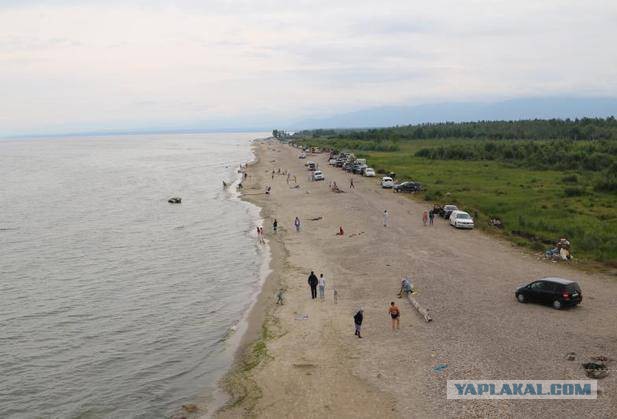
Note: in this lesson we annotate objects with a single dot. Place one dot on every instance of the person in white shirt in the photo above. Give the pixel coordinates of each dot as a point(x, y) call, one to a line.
point(322, 287)
point(385, 218)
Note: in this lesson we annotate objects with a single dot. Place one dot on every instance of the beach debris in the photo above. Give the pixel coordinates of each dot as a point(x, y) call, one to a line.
point(596, 370)
point(440, 367)
point(423, 311)
point(571, 356)
point(305, 365)
point(600, 358)
point(356, 234)
point(175, 200)
point(302, 317)
point(316, 218)
point(191, 408)
point(295, 187)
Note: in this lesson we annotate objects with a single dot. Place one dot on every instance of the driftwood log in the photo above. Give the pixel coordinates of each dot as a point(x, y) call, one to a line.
point(423, 311)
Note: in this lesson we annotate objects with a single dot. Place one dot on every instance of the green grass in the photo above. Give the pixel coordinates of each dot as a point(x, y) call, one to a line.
point(536, 206)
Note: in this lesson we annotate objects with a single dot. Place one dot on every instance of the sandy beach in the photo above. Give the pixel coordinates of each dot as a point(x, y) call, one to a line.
point(302, 358)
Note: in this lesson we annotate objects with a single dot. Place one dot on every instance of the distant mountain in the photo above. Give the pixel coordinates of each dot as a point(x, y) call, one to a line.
point(530, 108)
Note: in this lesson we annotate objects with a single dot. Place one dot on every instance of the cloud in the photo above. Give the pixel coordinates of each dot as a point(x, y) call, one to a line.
point(73, 63)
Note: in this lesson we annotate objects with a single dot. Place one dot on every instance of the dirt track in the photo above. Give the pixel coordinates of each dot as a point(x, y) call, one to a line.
point(467, 279)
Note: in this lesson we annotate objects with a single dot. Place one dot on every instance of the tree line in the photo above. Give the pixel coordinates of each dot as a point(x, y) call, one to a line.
point(535, 129)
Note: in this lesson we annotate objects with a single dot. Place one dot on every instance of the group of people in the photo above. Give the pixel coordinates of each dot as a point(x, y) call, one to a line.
point(315, 283)
point(260, 235)
point(428, 216)
point(393, 310)
point(319, 284)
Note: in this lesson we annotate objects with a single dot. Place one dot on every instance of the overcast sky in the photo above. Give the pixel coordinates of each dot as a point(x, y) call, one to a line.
point(108, 64)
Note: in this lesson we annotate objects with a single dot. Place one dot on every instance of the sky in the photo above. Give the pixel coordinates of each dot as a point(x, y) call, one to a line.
point(95, 65)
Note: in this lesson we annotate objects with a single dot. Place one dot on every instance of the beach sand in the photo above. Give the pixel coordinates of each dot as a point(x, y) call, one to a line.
point(302, 359)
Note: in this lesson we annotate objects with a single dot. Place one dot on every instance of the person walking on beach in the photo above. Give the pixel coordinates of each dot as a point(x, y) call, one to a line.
point(357, 319)
point(295, 181)
point(395, 313)
point(272, 173)
point(385, 218)
point(313, 281)
point(297, 224)
point(431, 215)
point(288, 176)
point(322, 287)
point(425, 217)
point(275, 225)
point(351, 185)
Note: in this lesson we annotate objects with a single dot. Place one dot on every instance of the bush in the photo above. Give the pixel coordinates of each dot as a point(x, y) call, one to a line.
point(570, 179)
point(433, 196)
point(572, 192)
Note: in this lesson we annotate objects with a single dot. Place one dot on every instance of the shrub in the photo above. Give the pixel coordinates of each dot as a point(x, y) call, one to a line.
point(570, 179)
point(571, 192)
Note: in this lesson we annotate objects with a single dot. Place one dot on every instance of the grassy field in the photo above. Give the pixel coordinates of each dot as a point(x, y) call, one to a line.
point(536, 206)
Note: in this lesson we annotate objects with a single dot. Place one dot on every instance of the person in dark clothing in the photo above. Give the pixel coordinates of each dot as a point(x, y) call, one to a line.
point(313, 281)
point(357, 319)
point(431, 216)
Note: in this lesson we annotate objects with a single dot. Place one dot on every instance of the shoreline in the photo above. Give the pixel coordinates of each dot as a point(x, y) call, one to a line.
point(300, 359)
point(255, 318)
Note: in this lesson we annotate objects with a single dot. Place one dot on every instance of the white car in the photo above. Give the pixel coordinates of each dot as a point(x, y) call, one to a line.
point(302, 156)
point(387, 182)
point(369, 172)
point(318, 175)
point(332, 162)
point(460, 219)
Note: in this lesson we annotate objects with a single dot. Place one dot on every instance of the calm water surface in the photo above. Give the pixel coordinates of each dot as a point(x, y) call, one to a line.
point(114, 303)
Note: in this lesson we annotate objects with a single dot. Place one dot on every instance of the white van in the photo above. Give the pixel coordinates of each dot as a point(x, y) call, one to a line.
point(387, 182)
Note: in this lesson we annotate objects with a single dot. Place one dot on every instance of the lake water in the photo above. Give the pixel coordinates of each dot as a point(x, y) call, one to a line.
point(113, 302)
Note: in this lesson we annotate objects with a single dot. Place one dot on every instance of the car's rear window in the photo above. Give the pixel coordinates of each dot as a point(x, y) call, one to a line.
point(573, 287)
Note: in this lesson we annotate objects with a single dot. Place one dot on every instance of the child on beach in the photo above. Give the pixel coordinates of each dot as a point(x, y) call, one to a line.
point(425, 217)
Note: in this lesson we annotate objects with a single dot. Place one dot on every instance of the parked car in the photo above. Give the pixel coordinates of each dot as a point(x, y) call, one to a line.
point(358, 168)
point(407, 187)
point(369, 172)
point(302, 156)
point(348, 167)
point(311, 165)
point(447, 211)
point(318, 175)
point(332, 162)
point(387, 182)
point(461, 219)
point(557, 292)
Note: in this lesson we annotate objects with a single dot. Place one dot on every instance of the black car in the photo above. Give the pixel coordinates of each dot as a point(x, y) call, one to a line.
point(448, 210)
point(407, 187)
point(557, 292)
